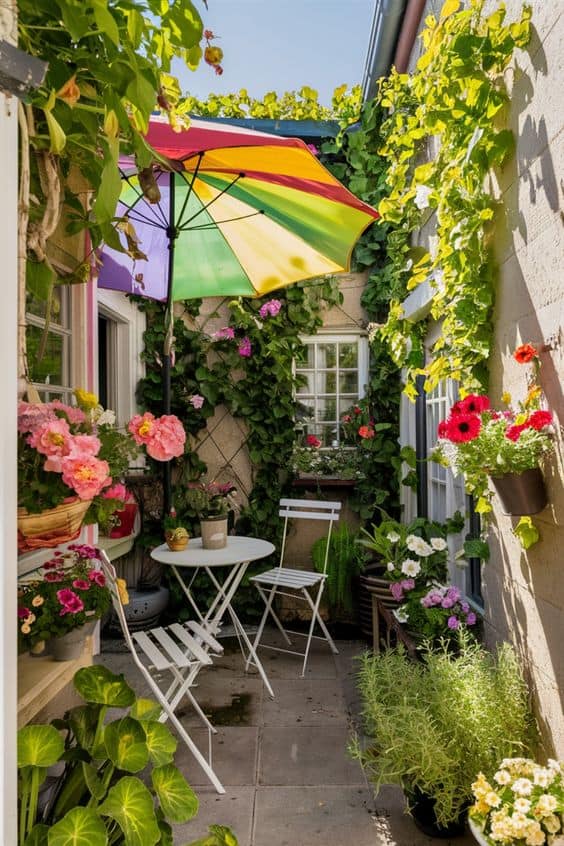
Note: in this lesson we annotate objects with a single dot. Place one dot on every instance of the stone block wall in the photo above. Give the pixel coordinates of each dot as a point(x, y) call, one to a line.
point(524, 590)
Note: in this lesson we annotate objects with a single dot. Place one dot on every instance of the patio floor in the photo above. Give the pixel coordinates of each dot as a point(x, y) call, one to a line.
point(284, 764)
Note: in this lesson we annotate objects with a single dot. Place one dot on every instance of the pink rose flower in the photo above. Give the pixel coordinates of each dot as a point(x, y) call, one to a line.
point(245, 349)
point(84, 445)
point(52, 438)
point(81, 584)
point(86, 475)
point(117, 491)
point(70, 601)
point(168, 438)
point(98, 577)
point(73, 414)
point(196, 401)
point(141, 427)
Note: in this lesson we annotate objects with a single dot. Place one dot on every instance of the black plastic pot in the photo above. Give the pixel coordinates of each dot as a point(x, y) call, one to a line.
point(422, 809)
point(521, 494)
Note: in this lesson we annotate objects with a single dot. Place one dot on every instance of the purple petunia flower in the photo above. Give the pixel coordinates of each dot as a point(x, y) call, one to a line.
point(453, 622)
point(470, 619)
point(225, 334)
point(196, 401)
point(272, 307)
point(396, 590)
point(407, 584)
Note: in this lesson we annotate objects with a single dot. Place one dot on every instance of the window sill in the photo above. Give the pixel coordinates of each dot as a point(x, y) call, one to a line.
point(309, 481)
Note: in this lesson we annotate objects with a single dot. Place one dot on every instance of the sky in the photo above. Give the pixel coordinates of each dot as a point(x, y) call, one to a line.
point(281, 45)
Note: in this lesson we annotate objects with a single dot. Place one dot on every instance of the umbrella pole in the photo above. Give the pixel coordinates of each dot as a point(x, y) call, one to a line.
point(172, 234)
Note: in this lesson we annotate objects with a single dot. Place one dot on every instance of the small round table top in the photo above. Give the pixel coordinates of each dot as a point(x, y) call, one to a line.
point(238, 549)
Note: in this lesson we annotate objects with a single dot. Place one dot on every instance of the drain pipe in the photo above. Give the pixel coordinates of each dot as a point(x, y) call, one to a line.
point(408, 34)
point(386, 24)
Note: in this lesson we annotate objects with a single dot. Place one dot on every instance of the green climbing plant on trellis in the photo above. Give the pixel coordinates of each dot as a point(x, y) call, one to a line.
point(445, 131)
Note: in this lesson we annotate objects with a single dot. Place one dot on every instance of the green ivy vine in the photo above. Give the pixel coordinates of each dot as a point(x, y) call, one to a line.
point(444, 131)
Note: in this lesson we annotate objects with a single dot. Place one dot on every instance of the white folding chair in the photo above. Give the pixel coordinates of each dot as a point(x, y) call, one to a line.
point(302, 583)
point(179, 649)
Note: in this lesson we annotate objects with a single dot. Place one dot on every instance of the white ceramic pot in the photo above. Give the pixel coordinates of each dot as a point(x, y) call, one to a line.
point(477, 833)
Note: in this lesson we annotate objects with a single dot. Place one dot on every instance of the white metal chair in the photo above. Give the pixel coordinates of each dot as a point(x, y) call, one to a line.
point(179, 649)
point(302, 583)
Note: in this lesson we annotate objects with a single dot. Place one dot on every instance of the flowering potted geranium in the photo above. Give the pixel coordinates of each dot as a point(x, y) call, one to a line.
point(68, 594)
point(523, 804)
point(504, 446)
point(69, 456)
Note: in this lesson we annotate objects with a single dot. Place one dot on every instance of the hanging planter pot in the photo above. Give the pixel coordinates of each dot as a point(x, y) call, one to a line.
point(51, 527)
point(521, 494)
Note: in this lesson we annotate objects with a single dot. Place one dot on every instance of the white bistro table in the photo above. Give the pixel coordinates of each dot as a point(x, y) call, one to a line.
point(235, 558)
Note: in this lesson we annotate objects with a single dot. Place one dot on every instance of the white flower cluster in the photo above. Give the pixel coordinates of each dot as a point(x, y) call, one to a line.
point(525, 807)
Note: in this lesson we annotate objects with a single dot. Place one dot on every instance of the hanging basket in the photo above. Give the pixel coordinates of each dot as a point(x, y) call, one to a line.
point(521, 494)
point(51, 527)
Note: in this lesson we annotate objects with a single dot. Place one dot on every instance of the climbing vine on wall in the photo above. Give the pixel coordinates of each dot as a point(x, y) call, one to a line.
point(445, 130)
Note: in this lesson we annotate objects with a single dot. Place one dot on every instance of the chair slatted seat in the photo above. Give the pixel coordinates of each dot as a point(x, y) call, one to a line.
point(302, 583)
point(180, 650)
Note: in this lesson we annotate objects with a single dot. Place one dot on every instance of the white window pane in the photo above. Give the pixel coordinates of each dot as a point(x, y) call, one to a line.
point(348, 382)
point(327, 409)
point(326, 382)
point(326, 355)
point(348, 355)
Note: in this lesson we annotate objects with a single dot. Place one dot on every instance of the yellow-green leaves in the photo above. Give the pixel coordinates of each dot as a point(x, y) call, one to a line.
point(450, 113)
point(527, 532)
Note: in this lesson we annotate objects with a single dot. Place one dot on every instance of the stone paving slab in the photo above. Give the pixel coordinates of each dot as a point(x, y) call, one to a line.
point(308, 816)
point(295, 755)
point(306, 702)
point(234, 756)
point(234, 809)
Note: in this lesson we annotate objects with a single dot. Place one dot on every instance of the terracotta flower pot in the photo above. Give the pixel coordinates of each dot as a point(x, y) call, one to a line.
point(521, 494)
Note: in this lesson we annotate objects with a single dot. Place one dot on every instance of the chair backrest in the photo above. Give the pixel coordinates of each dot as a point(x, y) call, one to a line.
point(308, 509)
point(109, 572)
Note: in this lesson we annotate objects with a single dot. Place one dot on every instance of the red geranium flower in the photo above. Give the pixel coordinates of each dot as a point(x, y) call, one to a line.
point(98, 577)
point(366, 432)
point(525, 353)
point(313, 441)
point(357, 410)
point(463, 427)
point(474, 404)
point(539, 419)
point(514, 432)
point(442, 429)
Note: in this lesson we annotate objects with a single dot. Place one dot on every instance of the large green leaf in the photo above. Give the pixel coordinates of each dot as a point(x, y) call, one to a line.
point(39, 279)
point(83, 721)
point(98, 684)
point(146, 709)
point(105, 21)
point(142, 94)
point(220, 835)
point(80, 827)
point(126, 745)
point(93, 782)
point(108, 192)
point(39, 746)
point(130, 804)
point(38, 836)
point(77, 23)
point(161, 743)
point(178, 800)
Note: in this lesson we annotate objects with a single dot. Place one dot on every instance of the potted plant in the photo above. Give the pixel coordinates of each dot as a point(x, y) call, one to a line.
point(524, 803)
point(176, 534)
point(506, 447)
point(433, 724)
point(68, 456)
point(346, 560)
point(211, 502)
point(62, 604)
point(98, 794)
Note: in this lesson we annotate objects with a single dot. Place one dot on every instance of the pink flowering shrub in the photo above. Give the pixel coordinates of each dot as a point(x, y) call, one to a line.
point(69, 591)
point(66, 452)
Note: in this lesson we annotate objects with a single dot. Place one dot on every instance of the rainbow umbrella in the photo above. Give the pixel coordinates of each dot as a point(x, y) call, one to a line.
point(230, 212)
point(240, 213)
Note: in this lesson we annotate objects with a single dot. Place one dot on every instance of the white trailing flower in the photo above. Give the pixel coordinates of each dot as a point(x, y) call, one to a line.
point(438, 544)
point(106, 417)
point(393, 537)
point(401, 615)
point(390, 566)
point(411, 568)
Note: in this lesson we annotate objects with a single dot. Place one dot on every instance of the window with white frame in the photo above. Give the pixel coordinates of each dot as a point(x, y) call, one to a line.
point(335, 371)
point(49, 345)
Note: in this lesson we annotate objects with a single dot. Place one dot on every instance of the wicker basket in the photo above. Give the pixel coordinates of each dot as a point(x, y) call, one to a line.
point(53, 526)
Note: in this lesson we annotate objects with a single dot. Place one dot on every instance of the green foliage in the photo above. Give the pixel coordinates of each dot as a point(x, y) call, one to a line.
point(345, 561)
point(450, 111)
point(527, 532)
point(102, 793)
point(435, 724)
point(292, 105)
point(109, 68)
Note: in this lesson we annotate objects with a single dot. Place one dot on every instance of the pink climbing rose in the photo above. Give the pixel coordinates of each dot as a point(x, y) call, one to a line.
point(86, 474)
